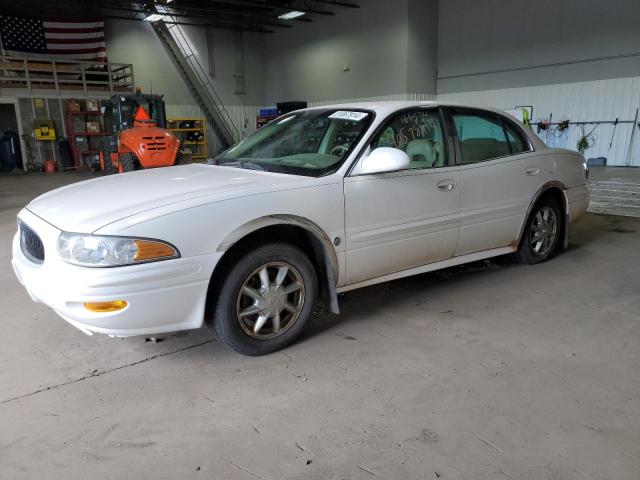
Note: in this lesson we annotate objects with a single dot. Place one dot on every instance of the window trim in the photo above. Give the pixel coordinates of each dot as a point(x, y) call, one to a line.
point(501, 119)
point(446, 134)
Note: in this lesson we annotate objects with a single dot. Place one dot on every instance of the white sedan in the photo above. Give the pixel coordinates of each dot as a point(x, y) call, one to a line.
point(318, 202)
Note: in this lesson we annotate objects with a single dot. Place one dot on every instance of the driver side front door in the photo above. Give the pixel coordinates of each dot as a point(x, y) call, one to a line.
point(399, 220)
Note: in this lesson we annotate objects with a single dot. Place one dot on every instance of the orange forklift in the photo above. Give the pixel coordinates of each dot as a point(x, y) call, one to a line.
point(138, 136)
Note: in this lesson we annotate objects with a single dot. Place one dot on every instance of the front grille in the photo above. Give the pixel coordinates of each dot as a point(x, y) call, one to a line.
point(31, 244)
point(155, 143)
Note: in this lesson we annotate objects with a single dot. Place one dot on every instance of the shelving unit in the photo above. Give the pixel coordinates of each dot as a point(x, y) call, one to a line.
point(262, 120)
point(198, 148)
point(92, 138)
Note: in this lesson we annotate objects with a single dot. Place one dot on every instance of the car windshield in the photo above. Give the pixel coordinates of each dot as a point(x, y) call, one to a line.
point(309, 142)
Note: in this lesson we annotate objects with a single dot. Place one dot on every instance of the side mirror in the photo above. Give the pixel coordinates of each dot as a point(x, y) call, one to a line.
point(384, 159)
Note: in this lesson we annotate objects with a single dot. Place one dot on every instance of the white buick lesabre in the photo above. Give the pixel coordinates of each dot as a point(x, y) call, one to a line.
point(318, 202)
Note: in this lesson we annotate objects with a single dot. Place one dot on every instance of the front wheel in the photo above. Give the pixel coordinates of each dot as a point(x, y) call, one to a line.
point(105, 163)
point(265, 300)
point(542, 232)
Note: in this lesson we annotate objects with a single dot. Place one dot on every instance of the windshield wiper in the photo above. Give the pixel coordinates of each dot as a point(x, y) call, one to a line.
point(243, 164)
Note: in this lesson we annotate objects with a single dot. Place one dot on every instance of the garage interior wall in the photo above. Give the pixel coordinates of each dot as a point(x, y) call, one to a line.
point(371, 53)
point(132, 42)
point(575, 59)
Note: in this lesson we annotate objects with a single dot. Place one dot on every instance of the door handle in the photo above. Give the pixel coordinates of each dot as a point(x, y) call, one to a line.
point(446, 185)
point(532, 171)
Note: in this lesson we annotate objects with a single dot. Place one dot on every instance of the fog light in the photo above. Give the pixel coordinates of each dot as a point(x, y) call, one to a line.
point(102, 307)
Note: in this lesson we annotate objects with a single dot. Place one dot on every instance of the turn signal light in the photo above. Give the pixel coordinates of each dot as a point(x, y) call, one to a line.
point(148, 250)
point(103, 307)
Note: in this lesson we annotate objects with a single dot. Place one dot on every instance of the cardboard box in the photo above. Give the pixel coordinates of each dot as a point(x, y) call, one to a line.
point(93, 105)
point(82, 144)
point(73, 105)
point(93, 127)
point(77, 124)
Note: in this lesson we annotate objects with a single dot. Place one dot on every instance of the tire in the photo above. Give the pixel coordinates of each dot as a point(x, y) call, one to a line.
point(237, 315)
point(127, 163)
point(180, 159)
point(106, 164)
point(542, 232)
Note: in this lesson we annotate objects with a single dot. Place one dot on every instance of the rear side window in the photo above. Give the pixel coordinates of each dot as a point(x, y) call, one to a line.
point(516, 140)
point(484, 137)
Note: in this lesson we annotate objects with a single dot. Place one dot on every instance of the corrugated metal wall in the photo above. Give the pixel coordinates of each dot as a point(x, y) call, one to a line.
point(580, 101)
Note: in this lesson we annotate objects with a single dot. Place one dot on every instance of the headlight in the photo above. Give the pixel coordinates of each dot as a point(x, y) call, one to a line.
point(106, 251)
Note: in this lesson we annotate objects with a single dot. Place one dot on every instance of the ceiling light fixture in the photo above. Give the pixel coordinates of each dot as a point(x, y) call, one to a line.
point(291, 15)
point(154, 17)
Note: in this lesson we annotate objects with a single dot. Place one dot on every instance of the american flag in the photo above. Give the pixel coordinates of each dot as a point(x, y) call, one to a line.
point(64, 40)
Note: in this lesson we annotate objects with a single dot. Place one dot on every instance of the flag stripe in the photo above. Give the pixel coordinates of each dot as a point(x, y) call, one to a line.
point(100, 56)
point(74, 41)
point(79, 50)
point(72, 24)
point(81, 35)
point(85, 48)
point(74, 30)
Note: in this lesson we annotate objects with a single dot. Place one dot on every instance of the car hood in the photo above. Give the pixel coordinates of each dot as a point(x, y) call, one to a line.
point(84, 207)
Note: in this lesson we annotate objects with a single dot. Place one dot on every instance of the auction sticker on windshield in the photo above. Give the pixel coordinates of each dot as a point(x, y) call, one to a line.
point(347, 115)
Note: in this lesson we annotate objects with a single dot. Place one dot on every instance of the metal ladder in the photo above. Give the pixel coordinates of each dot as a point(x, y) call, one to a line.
point(197, 79)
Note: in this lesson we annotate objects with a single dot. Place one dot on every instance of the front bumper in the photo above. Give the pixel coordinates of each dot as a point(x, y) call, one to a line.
point(162, 297)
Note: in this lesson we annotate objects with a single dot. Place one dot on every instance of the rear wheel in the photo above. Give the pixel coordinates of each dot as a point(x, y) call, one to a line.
point(265, 300)
point(542, 232)
point(127, 163)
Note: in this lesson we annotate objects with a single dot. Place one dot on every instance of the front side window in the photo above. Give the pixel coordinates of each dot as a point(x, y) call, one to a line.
point(129, 107)
point(484, 137)
point(310, 142)
point(418, 133)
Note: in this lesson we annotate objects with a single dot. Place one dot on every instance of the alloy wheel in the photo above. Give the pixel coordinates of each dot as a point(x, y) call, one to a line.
point(544, 229)
point(270, 300)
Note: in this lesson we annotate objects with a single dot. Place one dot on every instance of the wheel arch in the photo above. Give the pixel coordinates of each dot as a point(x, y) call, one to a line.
point(554, 189)
point(288, 228)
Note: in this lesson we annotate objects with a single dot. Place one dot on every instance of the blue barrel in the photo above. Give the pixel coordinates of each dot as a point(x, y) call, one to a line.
point(15, 147)
point(7, 154)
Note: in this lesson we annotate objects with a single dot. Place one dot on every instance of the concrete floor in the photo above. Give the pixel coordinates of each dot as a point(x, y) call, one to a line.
point(489, 371)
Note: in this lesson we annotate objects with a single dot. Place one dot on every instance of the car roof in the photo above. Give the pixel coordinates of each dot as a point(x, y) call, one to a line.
point(386, 106)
